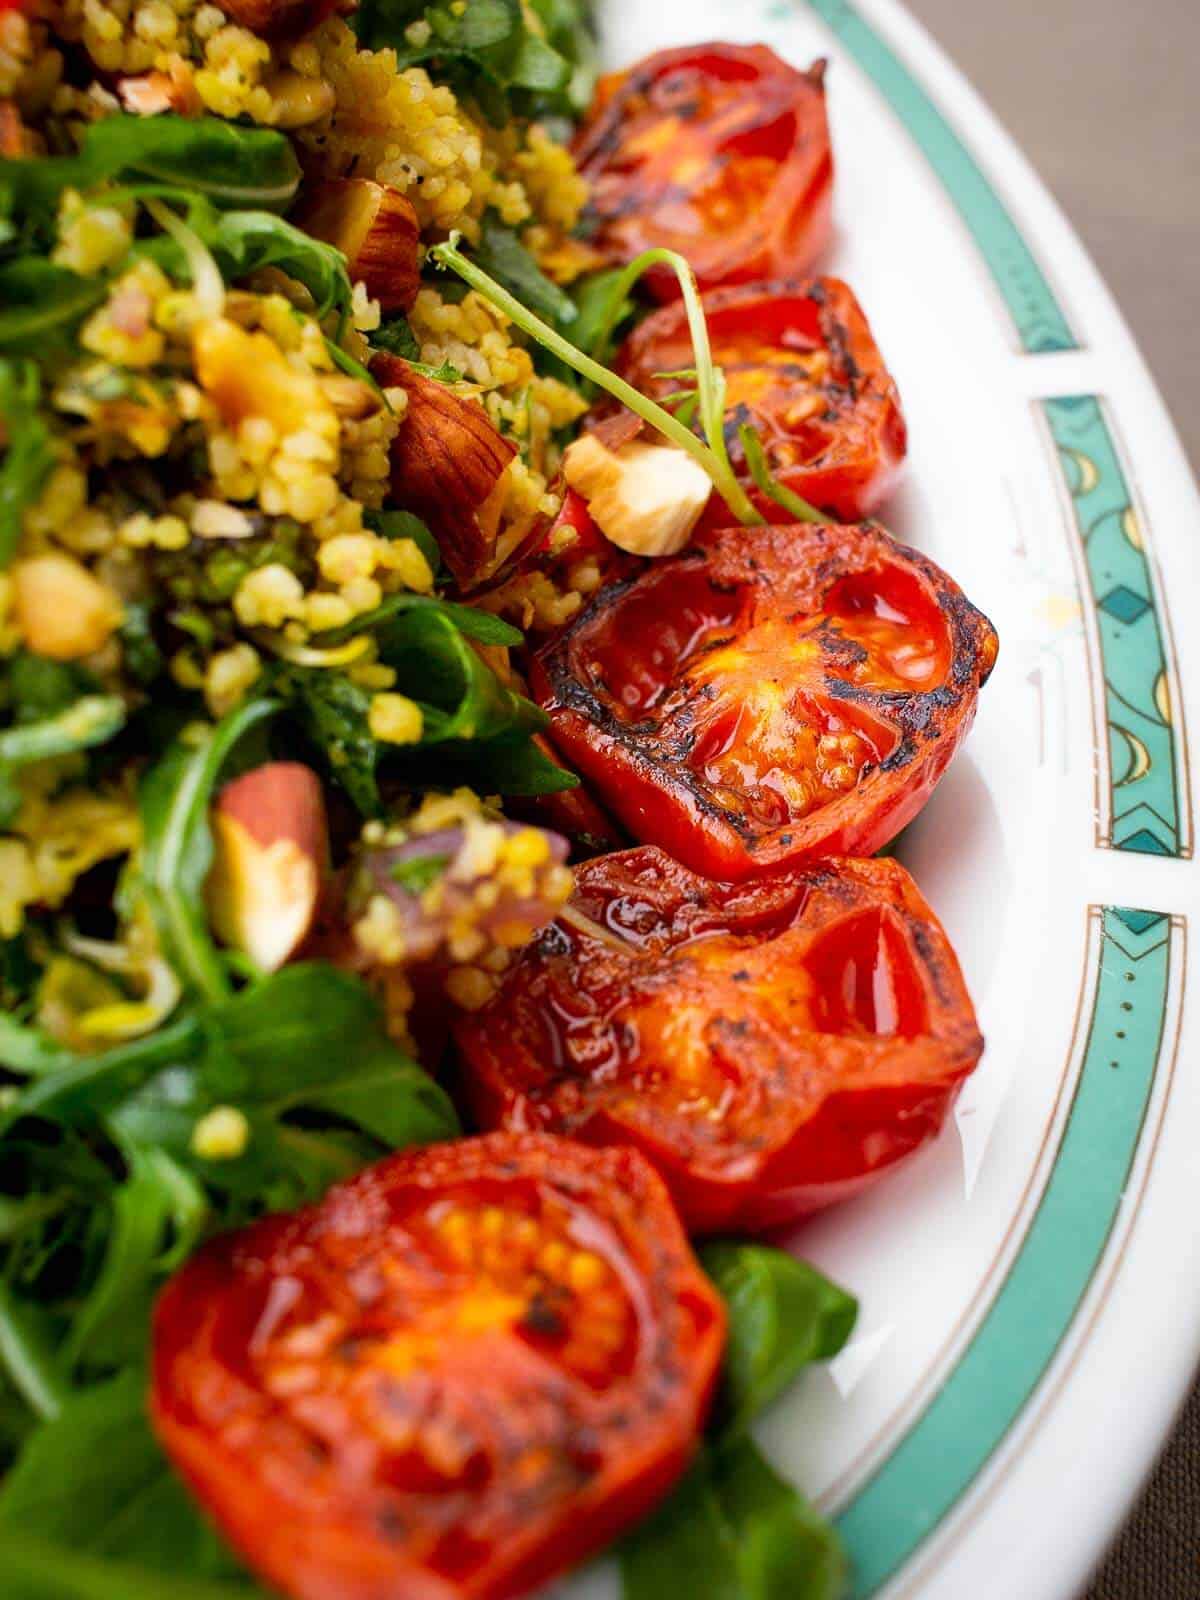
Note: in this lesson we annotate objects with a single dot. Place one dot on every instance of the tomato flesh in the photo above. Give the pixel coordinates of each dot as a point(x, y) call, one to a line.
point(465, 1369)
point(718, 151)
point(771, 1047)
point(769, 695)
point(802, 368)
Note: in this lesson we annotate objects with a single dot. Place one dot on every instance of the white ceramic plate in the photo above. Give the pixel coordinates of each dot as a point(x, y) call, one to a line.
point(1030, 1286)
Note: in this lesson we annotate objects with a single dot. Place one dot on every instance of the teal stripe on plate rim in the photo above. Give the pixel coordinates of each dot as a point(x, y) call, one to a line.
point(938, 1459)
point(1040, 320)
point(1145, 758)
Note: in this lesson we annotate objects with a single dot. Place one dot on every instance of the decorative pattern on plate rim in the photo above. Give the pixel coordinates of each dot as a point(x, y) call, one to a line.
point(1142, 803)
point(1041, 323)
point(927, 1474)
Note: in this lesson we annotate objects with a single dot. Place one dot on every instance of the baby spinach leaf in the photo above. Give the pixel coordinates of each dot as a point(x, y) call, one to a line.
point(501, 253)
point(28, 455)
point(783, 1314)
point(95, 1480)
point(311, 1035)
point(177, 844)
point(734, 1530)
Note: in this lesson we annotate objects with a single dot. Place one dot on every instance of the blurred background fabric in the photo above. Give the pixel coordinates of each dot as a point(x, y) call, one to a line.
point(1103, 97)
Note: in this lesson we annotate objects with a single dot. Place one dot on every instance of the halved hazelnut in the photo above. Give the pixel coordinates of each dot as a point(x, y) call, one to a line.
point(271, 853)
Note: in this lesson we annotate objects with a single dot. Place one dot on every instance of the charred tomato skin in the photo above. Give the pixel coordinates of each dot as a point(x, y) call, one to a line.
point(771, 1047)
point(708, 700)
point(405, 1390)
point(719, 151)
point(803, 369)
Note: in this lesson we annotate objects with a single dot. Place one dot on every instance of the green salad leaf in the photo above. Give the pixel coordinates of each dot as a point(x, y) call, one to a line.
point(227, 163)
point(28, 452)
point(486, 49)
point(471, 622)
point(91, 720)
point(460, 696)
point(245, 241)
point(406, 525)
point(332, 713)
point(41, 305)
point(783, 1315)
point(501, 253)
point(177, 844)
point(394, 334)
point(734, 1529)
point(95, 1481)
point(569, 30)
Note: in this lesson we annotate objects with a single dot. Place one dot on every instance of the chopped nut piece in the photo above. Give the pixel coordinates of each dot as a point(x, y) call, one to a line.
point(376, 229)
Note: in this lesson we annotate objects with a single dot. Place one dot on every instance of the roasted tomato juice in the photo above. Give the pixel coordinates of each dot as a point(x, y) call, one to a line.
point(770, 1046)
point(770, 694)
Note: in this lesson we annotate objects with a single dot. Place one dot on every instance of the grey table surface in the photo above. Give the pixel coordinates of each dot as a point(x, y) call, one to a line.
point(1103, 97)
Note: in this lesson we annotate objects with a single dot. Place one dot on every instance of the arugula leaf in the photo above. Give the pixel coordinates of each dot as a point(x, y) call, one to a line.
point(245, 241)
point(156, 1217)
point(27, 1358)
point(92, 720)
point(307, 1039)
point(734, 1530)
point(470, 621)
point(602, 309)
point(486, 49)
point(74, 1090)
point(783, 1314)
point(394, 334)
point(501, 253)
point(332, 712)
point(177, 844)
point(96, 1480)
point(28, 455)
point(224, 162)
point(37, 687)
point(459, 694)
point(406, 525)
point(507, 768)
point(569, 30)
point(41, 304)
